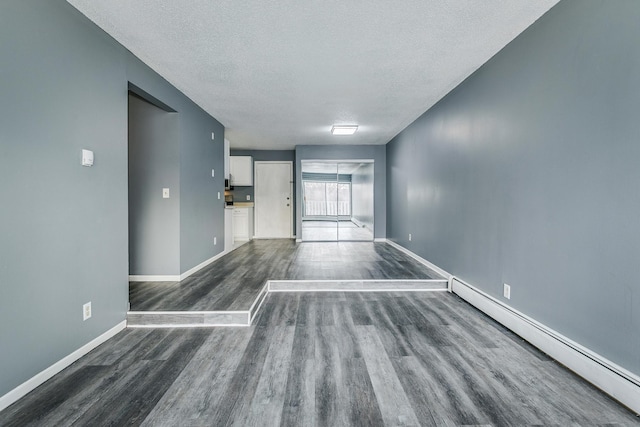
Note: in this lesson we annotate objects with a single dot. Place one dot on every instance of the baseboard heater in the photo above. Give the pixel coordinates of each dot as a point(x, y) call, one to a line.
point(604, 374)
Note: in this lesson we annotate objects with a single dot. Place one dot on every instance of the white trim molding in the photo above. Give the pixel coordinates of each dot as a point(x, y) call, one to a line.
point(153, 278)
point(29, 385)
point(402, 285)
point(603, 373)
point(202, 265)
point(177, 278)
point(379, 240)
point(421, 260)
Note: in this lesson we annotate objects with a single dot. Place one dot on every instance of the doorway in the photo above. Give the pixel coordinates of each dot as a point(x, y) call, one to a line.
point(337, 200)
point(273, 200)
point(154, 188)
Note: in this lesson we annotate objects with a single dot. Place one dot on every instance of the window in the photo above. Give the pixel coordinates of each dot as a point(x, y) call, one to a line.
point(323, 198)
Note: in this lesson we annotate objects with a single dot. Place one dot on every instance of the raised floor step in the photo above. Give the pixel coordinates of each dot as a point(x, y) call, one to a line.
point(177, 319)
point(356, 285)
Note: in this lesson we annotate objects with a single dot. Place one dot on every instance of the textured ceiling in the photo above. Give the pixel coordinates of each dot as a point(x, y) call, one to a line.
point(280, 73)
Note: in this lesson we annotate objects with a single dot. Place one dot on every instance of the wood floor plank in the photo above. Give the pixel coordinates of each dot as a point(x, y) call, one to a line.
point(436, 369)
point(241, 388)
point(331, 395)
point(426, 397)
point(269, 397)
point(194, 397)
point(364, 409)
point(393, 342)
point(119, 407)
point(392, 400)
point(300, 398)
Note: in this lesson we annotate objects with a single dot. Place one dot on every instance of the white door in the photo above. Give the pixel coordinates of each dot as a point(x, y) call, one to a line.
point(273, 200)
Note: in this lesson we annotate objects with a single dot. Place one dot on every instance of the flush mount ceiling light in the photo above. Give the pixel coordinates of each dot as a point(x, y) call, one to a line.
point(343, 129)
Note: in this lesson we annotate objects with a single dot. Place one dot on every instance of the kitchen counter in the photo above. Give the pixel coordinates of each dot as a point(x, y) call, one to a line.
point(242, 204)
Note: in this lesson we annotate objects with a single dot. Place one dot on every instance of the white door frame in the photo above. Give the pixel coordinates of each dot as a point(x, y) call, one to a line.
point(291, 204)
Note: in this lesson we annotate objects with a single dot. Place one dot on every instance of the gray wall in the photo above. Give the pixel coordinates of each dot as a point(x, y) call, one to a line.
point(63, 226)
point(201, 212)
point(349, 152)
point(527, 173)
point(362, 194)
point(154, 164)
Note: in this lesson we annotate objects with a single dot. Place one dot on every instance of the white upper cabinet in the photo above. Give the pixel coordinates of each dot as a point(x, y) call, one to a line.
point(241, 171)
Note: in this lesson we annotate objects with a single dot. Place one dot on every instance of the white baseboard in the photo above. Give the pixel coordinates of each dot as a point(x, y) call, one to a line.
point(43, 376)
point(379, 240)
point(421, 260)
point(152, 278)
point(176, 278)
point(603, 373)
point(202, 265)
point(357, 222)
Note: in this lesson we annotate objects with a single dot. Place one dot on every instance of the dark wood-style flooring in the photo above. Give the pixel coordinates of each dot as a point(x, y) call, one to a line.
point(323, 359)
point(234, 281)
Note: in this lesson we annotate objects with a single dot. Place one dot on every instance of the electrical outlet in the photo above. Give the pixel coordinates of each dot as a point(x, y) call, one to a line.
point(507, 291)
point(86, 311)
point(248, 197)
point(218, 195)
point(213, 173)
point(215, 241)
point(213, 136)
point(409, 236)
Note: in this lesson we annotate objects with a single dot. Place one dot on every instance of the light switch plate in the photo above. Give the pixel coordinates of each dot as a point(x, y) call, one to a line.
point(248, 197)
point(87, 158)
point(213, 173)
point(165, 193)
point(218, 195)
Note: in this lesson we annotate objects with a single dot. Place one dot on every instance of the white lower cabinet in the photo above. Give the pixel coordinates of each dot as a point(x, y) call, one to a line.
point(228, 229)
point(242, 224)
